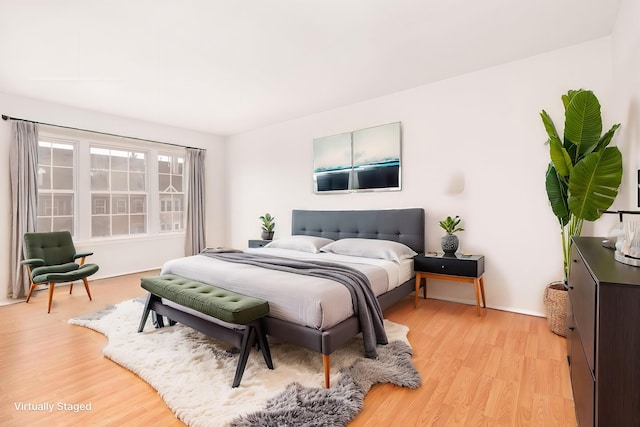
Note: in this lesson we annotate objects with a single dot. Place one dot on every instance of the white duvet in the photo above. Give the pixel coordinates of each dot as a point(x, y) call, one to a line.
point(304, 300)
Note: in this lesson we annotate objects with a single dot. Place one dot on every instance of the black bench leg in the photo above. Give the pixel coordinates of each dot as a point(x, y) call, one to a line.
point(158, 321)
point(247, 340)
point(263, 344)
point(145, 312)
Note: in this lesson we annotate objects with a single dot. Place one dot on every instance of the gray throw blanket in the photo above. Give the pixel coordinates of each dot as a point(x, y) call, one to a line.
point(365, 303)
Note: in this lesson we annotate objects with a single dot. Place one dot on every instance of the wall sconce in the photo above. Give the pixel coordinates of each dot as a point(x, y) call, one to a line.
point(455, 184)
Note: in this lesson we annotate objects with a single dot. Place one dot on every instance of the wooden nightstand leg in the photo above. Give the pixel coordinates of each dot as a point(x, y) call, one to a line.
point(424, 288)
point(419, 278)
point(476, 286)
point(484, 303)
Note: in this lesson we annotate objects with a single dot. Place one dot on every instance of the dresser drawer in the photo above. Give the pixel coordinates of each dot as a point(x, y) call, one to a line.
point(472, 266)
point(582, 296)
point(583, 384)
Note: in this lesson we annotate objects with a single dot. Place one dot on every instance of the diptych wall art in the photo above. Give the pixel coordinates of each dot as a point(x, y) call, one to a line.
point(362, 160)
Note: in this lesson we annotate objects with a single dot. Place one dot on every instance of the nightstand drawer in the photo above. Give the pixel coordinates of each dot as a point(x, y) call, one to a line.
point(472, 266)
point(259, 243)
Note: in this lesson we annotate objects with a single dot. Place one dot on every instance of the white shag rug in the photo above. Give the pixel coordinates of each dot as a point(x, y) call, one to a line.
point(193, 373)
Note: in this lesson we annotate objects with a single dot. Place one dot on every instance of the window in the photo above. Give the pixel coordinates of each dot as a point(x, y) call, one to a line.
point(98, 186)
point(56, 186)
point(118, 192)
point(171, 192)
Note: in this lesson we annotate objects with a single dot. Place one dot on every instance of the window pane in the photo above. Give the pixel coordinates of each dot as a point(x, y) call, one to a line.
point(164, 181)
point(136, 163)
point(119, 160)
point(163, 164)
point(119, 181)
point(100, 204)
point(44, 153)
point(44, 225)
point(44, 205)
point(63, 223)
point(100, 226)
point(136, 181)
point(179, 166)
point(138, 224)
point(63, 155)
point(178, 203)
point(99, 180)
point(99, 159)
point(63, 204)
point(44, 177)
point(62, 178)
point(120, 205)
point(138, 204)
point(120, 224)
point(176, 180)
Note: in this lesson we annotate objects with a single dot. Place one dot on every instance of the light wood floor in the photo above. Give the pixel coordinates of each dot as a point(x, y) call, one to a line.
point(501, 369)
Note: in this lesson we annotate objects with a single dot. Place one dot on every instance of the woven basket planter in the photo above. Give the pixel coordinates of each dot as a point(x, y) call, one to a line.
point(555, 307)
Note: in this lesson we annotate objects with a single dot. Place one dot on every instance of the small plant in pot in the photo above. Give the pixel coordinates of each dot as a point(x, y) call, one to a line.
point(449, 241)
point(268, 225)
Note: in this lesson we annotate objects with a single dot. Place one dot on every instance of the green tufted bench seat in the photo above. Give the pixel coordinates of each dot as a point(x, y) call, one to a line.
point(239, 315)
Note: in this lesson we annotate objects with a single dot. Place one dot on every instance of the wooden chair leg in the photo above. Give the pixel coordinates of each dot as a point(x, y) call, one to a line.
point(33, 286)
point(51, 286)
point(70, 287)
point(86, 286)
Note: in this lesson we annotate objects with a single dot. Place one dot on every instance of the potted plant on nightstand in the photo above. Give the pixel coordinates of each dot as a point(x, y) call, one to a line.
point(268, 225)
point(582, 182)
point(449, 241)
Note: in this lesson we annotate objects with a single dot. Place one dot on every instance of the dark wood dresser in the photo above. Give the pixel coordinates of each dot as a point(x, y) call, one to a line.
point(603, 340)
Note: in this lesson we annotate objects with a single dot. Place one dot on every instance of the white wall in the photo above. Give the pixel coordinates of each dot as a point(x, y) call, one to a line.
point(626, 94)
point(116, 256)
point(485, 124)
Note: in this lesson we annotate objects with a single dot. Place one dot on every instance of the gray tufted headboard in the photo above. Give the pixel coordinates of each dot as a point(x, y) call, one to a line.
point(399, 225)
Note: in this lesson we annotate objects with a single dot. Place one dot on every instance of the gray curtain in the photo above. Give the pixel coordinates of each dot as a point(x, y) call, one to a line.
point(195, 231)
point(23, 159)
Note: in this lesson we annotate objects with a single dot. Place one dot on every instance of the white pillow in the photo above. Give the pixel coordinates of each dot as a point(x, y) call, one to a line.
point(300, 243)
point(371, 248)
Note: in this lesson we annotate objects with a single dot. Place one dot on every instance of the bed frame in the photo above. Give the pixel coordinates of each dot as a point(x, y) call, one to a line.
point(399, 225)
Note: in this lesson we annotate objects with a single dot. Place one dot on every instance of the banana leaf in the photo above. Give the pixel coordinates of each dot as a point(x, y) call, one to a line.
point(557, 190)
point(594, 183)
point(583, 123)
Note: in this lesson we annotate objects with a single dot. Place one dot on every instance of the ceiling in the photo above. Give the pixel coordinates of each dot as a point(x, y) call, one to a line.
point(224, 67)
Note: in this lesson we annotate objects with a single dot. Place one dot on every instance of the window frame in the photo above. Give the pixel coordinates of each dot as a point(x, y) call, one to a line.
point(52, 191)
point(168, 206)
point(115, 196)
point(83, 141)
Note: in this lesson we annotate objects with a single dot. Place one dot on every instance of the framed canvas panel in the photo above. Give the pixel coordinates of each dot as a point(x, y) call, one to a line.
point(362, 160)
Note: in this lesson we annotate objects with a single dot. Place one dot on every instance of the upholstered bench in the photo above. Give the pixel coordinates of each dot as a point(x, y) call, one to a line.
point(238, 317)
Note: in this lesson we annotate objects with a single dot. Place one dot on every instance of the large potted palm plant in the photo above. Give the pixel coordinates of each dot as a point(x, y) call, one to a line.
point(583, 177)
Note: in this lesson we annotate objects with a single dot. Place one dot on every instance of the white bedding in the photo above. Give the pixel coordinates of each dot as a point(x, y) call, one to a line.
point(304, 300)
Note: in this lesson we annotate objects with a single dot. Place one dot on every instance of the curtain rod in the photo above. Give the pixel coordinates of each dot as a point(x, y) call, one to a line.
point(5, 117)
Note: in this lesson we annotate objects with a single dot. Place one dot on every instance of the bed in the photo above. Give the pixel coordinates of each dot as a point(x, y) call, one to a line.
point(299, 312)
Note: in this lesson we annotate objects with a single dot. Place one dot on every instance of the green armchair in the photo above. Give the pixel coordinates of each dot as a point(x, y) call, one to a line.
point(51, 258)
